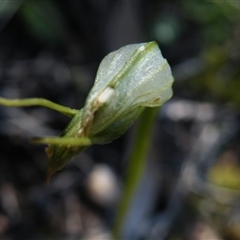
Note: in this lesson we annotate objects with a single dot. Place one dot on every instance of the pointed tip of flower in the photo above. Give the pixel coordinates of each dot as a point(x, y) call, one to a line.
point(49, 174)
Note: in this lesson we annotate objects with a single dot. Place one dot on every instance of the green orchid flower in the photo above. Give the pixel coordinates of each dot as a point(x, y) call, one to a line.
point(128, 80)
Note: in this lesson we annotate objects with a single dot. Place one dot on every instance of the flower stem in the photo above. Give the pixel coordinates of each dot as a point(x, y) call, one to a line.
point(27, 102)
point(137, 163)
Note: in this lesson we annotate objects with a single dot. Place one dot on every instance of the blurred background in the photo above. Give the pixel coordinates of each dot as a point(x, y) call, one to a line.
point(191, 185)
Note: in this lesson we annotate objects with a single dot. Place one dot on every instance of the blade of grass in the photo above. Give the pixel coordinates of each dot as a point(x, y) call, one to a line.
point(137, 163)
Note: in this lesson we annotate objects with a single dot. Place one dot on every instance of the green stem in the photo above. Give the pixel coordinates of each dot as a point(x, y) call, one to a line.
point(27, 102)
point(65, 141)
point(137, 163)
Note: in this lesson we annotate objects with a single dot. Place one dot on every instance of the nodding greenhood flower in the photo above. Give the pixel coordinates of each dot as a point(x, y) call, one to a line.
point(133, 77)
point(128, 80)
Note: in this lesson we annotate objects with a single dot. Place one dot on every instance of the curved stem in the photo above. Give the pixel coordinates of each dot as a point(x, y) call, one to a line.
point(27, 102)
point(137, 162)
